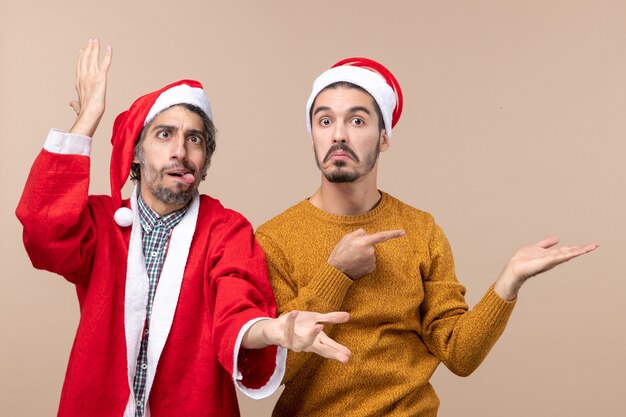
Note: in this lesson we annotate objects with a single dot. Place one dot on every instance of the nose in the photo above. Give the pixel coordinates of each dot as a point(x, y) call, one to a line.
point(340, 134)
point(178, 151)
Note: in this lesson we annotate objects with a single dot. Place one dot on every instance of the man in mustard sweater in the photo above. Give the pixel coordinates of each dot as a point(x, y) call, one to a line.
point(352, 247)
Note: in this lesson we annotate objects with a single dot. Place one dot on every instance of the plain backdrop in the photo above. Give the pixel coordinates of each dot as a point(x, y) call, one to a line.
point(513, 129)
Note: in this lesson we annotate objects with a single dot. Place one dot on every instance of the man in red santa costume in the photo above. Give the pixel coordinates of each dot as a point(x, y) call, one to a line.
point(176, 348)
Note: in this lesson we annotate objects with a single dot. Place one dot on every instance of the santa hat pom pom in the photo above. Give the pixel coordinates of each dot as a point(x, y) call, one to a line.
point(123, 216)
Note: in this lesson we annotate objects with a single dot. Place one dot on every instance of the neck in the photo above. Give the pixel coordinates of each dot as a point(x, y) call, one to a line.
point(158, 206)
point(163, 209)
point(348, 198)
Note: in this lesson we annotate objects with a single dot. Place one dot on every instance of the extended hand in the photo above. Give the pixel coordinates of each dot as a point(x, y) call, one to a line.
point(532, 260)
point(300, 331)
point(355, 254)
point(91, 86)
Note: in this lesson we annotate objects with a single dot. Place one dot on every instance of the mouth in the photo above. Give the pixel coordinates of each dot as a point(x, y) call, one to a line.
point(341, 152)
point(181, 174)
point(340, 155)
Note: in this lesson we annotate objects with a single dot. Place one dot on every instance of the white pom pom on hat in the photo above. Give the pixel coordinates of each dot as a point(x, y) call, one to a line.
point(368, 74)
point(123, 216)
point(128, 126)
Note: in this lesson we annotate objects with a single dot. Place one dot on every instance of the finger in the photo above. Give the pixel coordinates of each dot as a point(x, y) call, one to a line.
point(305, 339)
point(548, 242)
point(590, 247)
point(106, 62)
point(571, 252)
point(94, 56)
point(290, 324)
point(330, 349)
point(383, 236)
point(84, 67)
point(79, 64)
point(333, 317)
point(326, 340)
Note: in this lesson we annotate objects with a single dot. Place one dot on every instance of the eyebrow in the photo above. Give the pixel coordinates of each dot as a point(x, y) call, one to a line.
point(350, 110)
point(164, 127)
point(174, 128)
point(197, 132)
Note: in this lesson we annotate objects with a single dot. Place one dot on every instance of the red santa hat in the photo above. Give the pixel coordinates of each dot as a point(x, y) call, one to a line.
point(370, 75)
point(128, 126)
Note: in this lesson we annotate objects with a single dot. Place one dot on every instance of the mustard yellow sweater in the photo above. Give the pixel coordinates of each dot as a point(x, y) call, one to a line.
point(406, 317)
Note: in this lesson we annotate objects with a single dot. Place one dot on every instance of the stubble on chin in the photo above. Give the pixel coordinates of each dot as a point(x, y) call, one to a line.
point(339, 174)
point(178, 196)
point(169, 196)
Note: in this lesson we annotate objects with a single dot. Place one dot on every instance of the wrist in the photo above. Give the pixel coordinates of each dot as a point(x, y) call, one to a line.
point(257, 335)
point(86, 124)
point(507, 285)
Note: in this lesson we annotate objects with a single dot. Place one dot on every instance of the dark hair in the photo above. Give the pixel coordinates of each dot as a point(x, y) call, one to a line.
point(209, 131)
point(346, 84)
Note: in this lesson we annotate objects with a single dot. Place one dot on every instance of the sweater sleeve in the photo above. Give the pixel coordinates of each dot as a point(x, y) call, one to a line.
point(324, 292)
point(58, 229)
point(325, 289)
point(241, 295)
point(461, 339)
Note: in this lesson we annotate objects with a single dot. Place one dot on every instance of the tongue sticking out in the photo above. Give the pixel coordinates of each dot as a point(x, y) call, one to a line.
point(188, 178)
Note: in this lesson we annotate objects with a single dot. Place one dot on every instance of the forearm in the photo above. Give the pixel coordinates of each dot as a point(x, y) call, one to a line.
point(466, 343)
point(255, 337)
point(324, 292)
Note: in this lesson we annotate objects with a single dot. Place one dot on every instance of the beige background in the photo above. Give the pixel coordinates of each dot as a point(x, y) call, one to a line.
point(513, 129)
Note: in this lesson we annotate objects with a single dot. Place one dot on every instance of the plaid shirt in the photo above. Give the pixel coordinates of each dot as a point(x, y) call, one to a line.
point(156, 236)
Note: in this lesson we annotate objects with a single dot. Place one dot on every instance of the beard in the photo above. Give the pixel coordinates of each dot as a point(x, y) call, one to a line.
point(153, 179)
point(168, 196)
point(341, 175)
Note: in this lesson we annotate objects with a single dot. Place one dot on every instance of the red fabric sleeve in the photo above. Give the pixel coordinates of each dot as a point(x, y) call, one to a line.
point(241, 290)
point(58, 229)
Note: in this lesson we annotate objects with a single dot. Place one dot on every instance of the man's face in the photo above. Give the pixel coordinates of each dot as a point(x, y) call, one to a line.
point(171, 159)
point(346, 135)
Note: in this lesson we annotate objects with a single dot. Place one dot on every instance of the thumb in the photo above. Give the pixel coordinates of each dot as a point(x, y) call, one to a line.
point(76, 106)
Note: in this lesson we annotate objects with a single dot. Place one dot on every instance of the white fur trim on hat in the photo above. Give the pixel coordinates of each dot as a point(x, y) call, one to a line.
point(177, 95)
point(370, 81)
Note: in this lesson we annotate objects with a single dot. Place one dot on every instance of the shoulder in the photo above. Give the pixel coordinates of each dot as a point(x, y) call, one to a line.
point(213, 214)
point(409, 214)
point(285, 221)
point(420, 226)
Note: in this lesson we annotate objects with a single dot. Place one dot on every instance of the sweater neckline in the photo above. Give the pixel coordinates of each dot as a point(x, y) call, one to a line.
point(349, 219)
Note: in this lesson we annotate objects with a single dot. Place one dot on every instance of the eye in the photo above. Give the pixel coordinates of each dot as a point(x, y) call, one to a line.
point(357, 121)
point(325, 121)
point(163, 134)
point(195, 139)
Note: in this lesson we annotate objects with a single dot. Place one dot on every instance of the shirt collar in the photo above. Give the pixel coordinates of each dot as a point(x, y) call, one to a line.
point(150, 219)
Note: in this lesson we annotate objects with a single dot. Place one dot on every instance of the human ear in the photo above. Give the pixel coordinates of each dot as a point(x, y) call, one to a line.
point(384, 141)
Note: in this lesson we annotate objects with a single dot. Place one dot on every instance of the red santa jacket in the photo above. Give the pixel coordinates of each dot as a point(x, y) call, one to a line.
point(213, 286)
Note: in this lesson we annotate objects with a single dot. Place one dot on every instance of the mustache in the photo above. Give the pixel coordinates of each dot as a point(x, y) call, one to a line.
point(184, 165)
point(340, 147)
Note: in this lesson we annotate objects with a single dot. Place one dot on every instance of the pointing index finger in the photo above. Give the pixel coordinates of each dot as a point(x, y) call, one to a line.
point(333, 317)
point(383, 236)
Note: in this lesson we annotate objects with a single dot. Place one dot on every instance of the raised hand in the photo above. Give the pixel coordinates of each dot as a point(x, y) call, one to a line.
point(300, 331)
point(355, 254)
point(532, 260)
point(91, 85)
